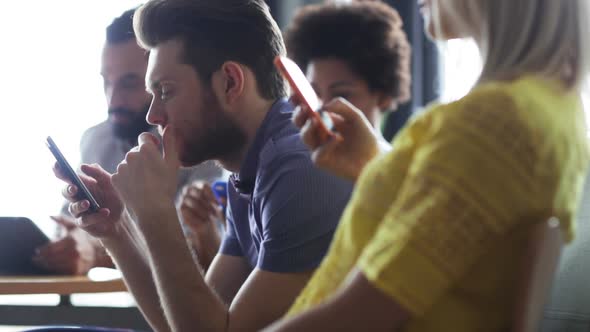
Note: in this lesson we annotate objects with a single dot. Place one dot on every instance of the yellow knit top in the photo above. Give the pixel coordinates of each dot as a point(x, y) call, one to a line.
point(438, 224)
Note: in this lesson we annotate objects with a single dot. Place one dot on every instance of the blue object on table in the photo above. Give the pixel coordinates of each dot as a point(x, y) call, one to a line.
point(220, 190)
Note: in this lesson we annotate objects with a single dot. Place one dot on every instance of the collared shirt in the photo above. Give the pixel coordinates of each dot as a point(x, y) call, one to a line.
point(282, 210)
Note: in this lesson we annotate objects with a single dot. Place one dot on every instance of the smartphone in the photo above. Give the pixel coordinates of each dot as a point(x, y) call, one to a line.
point(71, 174)
point(304, 91)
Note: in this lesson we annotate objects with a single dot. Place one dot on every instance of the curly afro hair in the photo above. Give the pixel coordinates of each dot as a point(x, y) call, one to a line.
point(367, 35)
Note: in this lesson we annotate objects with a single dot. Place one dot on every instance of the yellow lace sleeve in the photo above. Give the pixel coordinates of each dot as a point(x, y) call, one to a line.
point(468, 183)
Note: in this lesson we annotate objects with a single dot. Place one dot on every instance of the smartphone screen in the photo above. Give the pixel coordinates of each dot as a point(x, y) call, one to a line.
point(303, 90)
point(71, 174)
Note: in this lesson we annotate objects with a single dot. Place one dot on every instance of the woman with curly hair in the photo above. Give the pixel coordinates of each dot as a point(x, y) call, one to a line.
point(356, 51)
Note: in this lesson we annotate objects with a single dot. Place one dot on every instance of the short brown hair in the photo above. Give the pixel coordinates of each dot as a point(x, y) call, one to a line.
point(216, 31)
point(367, 35)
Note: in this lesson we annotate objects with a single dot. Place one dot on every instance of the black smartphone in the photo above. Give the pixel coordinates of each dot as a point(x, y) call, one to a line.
point(71, 174)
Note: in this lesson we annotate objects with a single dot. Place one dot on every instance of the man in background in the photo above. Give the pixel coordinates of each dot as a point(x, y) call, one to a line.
point(123, 68)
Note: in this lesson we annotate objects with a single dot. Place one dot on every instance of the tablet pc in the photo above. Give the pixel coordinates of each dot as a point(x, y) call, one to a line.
point(19, 237)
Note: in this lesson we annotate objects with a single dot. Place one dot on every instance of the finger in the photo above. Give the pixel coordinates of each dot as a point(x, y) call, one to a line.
point(321, 156)
point(90, 219)
point(96, 172)
point(199, 184)
point(185, 190)
point(97, 227)
point(66, 222)
point(192, 215)
point(147, 142)
point(169, 139)
point(79, 207)
point(192, 219)
point(300, 115)
point(202, 207)
point(207, 205)
point(312, 134)
point(217, 215)
point(338, 122)
point(194, 189)
point(344, 109)
point(148, 138)
point(131, 154)
point(295, 100)
point(70, 192)
point(55, 252)
point(207, 193)
point(60, 174)
point(204, 193)
point(53, 248)
point(195, 194)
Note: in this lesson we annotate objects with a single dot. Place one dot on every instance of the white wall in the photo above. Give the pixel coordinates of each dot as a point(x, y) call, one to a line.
point(50, 85)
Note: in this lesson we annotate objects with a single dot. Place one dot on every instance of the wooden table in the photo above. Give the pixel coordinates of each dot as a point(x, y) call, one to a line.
point(65, 313)
point(62, 285)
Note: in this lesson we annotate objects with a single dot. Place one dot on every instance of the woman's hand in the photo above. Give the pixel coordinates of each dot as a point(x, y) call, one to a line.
point(353, 144)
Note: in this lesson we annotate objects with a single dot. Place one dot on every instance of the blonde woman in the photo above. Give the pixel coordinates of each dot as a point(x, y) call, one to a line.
point(432, 237)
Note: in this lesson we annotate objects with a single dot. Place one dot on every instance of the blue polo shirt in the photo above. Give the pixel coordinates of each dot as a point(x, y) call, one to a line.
point(282, 210)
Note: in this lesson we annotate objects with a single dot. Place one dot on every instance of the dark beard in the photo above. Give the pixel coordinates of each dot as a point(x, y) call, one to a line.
point(219, 136)
point(135, 125)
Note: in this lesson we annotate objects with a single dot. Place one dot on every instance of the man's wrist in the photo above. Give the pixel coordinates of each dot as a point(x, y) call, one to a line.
point(121, 235)
point(102, 257)
point(152, 216)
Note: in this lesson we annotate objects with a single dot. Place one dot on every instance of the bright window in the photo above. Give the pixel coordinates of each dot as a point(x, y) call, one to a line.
point(586, 99)
point(461, 67)
point(50, 85)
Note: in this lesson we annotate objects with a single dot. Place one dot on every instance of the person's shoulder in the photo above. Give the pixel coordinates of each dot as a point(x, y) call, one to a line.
point(495, 97)
point(97, 132)
point(284, 155)
point(526, 97)
point(283, 140)
point(488, 108)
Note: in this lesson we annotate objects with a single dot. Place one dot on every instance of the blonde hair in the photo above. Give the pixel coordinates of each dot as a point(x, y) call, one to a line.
point(544, 37)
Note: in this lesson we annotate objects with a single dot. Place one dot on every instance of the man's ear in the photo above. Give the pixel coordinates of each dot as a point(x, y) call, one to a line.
point(231, 82)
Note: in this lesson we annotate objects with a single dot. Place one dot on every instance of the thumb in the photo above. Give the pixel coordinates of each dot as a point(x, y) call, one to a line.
point(67, 223)
point(148, 138)
point(96, 172)
point(170, 147)
point(344, 109)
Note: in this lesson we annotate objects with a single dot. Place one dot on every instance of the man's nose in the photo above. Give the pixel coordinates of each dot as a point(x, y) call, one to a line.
point(156, 114)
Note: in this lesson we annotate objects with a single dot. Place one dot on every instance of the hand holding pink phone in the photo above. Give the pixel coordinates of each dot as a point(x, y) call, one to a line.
point(304, 91)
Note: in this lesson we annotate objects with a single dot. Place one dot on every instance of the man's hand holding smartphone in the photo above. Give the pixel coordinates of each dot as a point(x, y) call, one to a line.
point(102, 221)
